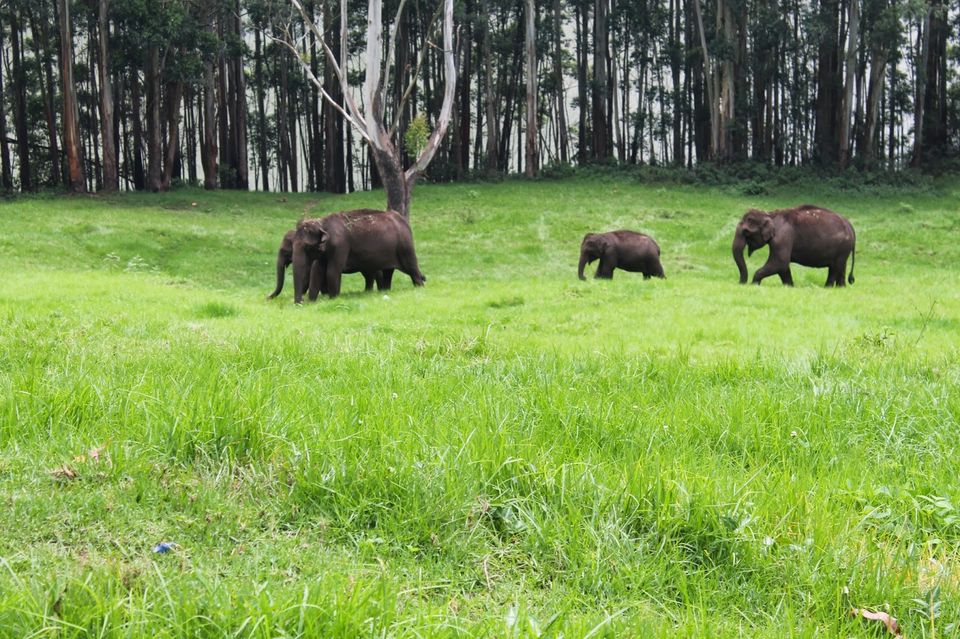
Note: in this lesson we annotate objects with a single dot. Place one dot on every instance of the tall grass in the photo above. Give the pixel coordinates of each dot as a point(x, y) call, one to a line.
point(505, 452)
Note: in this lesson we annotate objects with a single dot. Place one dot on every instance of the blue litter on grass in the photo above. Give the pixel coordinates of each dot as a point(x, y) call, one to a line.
point(164, 547)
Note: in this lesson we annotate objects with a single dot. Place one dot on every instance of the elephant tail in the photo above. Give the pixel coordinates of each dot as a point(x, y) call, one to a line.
point(853, 262)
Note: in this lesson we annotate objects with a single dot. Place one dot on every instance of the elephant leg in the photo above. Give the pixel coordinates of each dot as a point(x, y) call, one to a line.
point(316, 277)
point(768, 269)
point(841, 269)
point(655, 269)
point(831, 276)
point(646, 276)
point(368, 279)
point(386, 279)
point(605, 268)
point(786, 277)
point(334, 271)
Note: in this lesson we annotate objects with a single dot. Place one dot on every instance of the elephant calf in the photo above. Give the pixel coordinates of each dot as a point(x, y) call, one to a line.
point(807, 235)
point(627, 250)
point(317, 270)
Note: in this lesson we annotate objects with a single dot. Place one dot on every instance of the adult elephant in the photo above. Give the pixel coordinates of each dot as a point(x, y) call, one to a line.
point(363, 240)
point(627, 250)
point(807, 235)
point(285, 258)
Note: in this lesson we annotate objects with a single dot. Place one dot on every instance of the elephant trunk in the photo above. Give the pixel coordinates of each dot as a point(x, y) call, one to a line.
point(301, 274)
point(281, 267)
point(739, 242)
point(584, 260)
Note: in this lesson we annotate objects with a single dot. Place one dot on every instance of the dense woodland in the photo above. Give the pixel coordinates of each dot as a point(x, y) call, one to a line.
point(100, 95)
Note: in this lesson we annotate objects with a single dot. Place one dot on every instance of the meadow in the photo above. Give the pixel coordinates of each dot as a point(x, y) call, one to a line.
point(505, 452)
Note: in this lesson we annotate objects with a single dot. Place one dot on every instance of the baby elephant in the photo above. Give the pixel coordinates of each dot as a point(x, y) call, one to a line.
point(627, 250)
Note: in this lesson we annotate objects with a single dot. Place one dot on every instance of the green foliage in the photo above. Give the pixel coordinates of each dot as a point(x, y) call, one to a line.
point(415, 138)
point(507, 451)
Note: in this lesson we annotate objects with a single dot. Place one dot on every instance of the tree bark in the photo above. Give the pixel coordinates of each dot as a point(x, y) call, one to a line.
point(558, 80)
point(490, 104)
point(20, 105)
point(601, 51)
point(583, 140)
point(6, 168)
point(173, 96)
point(532, 128)
point(853, 39)
point(874, 89)
point(261, 112)
point(71, 114)
point(238, 85)
point(828, 80)
point(111, 179)
point(154, 126)
point(139, 175)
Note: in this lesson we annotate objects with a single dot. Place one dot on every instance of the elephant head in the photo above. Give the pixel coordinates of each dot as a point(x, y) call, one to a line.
point(754, 230)
point(591, 248)
point(309, 244)
point(284, 258)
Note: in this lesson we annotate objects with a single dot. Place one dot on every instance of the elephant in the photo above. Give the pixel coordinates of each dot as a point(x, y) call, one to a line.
point(363, 240)
point(627, 250)
point(807, 235)
point(285, 258)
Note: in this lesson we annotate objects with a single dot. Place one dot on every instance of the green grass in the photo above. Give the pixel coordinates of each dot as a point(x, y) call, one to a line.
point(507, 451)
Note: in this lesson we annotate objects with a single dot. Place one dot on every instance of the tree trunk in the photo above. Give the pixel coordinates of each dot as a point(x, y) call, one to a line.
point(174, 98)
point(20, 105)
point(211, 177)
point(261, 112)
point(532, 128)
point(582, 88)
point(71, 114)
point(853, 39)
point(558, 80)
point(238, 85)
point(493, 143)
point(676, 52)
point(139, 175)
point(335, 180)
point(463, 146)
point(825, 131)
point(711, 80)
point(41, 49)
point(154, 126)
point(874, 89)
point(6, 169)
point(601, 124)
point(111, 180)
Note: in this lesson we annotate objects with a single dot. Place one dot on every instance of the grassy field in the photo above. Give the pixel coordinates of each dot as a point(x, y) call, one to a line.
point(507, 451)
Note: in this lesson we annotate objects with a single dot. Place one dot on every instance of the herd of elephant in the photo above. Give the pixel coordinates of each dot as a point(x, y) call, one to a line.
point(376, 243)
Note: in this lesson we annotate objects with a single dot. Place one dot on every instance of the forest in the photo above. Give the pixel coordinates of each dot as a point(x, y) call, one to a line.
point(102, 95)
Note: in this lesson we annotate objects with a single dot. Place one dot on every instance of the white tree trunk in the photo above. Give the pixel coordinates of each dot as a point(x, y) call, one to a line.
point(369, 120)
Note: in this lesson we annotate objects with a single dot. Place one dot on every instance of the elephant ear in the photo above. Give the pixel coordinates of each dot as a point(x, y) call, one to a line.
point(766, 229)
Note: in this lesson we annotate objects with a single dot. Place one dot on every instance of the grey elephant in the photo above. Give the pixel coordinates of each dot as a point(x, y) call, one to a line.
point(626, 250)
point(808, 235)
point(285, 258)
point(361, 241)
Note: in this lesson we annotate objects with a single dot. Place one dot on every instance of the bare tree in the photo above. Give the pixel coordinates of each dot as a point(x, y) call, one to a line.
point(368, 117)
